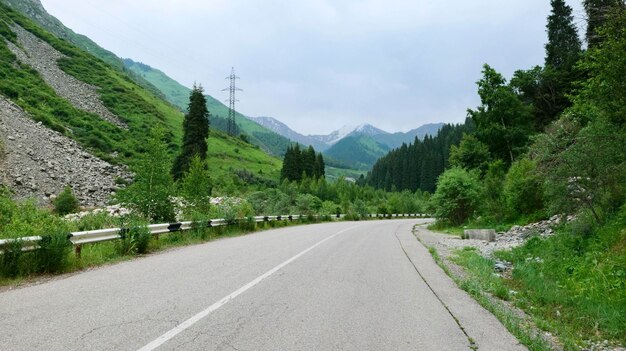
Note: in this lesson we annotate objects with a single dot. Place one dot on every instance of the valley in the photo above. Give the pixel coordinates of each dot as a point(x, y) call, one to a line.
point(509, 220)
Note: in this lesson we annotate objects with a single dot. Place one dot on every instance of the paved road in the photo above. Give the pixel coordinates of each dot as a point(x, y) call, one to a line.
point(333, 286)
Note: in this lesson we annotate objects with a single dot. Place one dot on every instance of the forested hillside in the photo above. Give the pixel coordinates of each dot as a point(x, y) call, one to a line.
point(551, 141)
point(417, 165)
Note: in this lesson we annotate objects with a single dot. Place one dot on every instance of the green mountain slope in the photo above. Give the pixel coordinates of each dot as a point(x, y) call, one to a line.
point(178, 94)
point(358, 152)
point(137, 107)
point(150, 78)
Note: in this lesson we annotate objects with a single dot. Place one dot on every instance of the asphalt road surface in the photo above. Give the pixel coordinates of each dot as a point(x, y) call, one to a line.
point(334, 286)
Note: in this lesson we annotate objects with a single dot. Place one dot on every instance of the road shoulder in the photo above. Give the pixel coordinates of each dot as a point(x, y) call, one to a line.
point(482, 327)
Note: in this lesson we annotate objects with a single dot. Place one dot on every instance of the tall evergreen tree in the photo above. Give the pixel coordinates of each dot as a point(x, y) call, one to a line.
point(417, 165)
point(563, 48)
point(597, 14)
point(320, 167)
point(196, 131)
point(298, 163)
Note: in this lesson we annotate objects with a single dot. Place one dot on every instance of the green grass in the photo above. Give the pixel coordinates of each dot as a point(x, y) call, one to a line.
point(227, 156)
point(574, 283)
point(334, 173)
point(140, 109)
point(480, 280)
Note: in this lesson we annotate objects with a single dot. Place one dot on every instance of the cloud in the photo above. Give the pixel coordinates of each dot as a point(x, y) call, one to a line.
point(318, 64)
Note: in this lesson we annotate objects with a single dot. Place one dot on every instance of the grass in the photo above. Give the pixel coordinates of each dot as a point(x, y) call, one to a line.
point(178, 95)
point(234, 163)
point(478, 281)
point(138, 107)
point(98, 254)
point(572, 284)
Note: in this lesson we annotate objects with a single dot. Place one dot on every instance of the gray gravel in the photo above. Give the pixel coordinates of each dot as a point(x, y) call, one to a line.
point(43, 58)
point(39, 162)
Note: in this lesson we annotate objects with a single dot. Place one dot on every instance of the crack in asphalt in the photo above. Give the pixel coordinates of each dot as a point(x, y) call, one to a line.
point(472, 344)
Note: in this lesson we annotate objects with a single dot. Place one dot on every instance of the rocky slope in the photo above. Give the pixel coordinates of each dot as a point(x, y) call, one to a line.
point(43, 58)
point(38, 162)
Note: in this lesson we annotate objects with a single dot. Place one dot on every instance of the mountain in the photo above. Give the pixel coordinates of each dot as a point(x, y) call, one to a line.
point(88, 118)
point(150, 78)
point(282, 129)
point(178, 95)
point(397, 139)
point(363, 145)
point(357, 151)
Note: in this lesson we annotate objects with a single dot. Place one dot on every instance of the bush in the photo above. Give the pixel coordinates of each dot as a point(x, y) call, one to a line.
point(52, 255)
point(308, 204)
point(65, 202)
point(149, 194)
point(458, 195)
point(523, 188)
point(135, 237)
point(9, 264)
point(195, 186)
point(233, 209)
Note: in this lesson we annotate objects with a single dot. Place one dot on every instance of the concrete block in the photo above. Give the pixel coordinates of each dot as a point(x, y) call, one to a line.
point(480, 234)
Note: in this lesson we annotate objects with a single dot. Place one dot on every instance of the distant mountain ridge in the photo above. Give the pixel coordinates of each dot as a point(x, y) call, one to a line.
point(357, 147)
point(324, 142)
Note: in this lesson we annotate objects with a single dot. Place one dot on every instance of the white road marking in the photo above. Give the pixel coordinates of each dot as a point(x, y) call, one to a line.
point(193, 320)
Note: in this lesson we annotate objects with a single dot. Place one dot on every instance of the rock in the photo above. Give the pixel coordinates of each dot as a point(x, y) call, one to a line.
point(44, 161)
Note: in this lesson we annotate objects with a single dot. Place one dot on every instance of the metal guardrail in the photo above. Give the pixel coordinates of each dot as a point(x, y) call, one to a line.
point(94, 236)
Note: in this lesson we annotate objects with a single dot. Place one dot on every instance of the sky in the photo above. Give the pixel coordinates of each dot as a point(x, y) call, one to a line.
point(318, 65)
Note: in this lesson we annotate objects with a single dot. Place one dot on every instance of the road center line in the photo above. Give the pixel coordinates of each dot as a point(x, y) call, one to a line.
point(200, 315)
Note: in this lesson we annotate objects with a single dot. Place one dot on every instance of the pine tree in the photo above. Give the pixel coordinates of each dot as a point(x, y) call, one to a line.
point(597, 14)
point(196, 131)
point(563, 48)
point(320, 167)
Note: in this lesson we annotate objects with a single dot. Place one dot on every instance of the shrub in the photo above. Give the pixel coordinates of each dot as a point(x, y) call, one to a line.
point(458, 195)
point(135, 237)
point(308, 204)
point(65, 202)
point(53, 251)
point(523, 188)
point(195, 186)
point(9, 264)
point(149, 194)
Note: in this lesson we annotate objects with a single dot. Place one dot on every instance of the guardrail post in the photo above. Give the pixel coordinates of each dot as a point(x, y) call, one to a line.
point(77, 250)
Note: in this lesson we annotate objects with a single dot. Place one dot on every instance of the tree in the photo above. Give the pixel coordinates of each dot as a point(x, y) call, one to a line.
point(523, 188)
point(195, 186)
point(320, 167)
point(597, 14)
point(298, 164)
point(470, 154)
point(458, 195)
point(563, 48)
point(150, 192)
point(503, 122)
point(547, 89)
point(196, 131)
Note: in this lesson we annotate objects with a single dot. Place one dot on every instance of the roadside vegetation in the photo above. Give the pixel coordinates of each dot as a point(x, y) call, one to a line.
point(551, 141)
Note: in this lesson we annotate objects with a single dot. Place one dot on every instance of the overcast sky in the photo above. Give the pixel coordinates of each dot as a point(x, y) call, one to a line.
point(320, 64)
